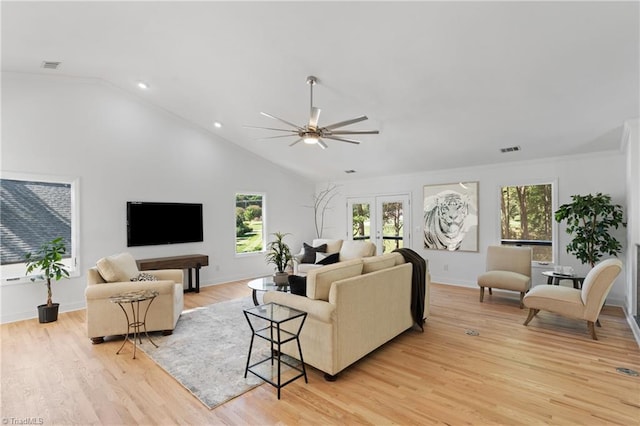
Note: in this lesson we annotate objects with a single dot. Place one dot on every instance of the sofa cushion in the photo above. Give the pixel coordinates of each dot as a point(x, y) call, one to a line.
point(356, 250)
point(310, 252)
point(319, 280)
point(327, 259)
point(118, 268)
point(333, 246)
point(376, 263)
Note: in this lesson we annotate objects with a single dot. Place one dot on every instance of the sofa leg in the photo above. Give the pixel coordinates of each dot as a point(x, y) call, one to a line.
point(592, 329)
point(532, 313)
point(330, 377)
point(167, 332)
point(481, 294)
point(97, 340)
point(522, 300)
point(490, 291)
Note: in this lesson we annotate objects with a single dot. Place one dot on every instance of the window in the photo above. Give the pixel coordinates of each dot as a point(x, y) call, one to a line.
point(250, 223)
point(35, 210)
point(527, 219)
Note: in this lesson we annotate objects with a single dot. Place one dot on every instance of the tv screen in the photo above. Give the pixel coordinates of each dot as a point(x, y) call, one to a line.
point(151, 224)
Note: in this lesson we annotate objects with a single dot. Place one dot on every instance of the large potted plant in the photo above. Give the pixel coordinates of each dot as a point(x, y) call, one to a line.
point(48, 261)
point(279, 254)
point(590, 219)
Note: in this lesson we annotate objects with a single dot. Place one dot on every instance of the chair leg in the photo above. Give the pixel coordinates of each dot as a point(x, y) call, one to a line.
point(532, 313)
point(481, 294)
point(490, 290)
point(592, 329)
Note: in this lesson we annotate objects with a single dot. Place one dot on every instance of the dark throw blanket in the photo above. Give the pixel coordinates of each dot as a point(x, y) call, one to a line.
point(417, 284)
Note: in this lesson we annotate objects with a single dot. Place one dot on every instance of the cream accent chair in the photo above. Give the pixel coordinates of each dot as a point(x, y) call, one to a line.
point(111, 276)
point(347, 250)
point(582, 304)
point(508, 268)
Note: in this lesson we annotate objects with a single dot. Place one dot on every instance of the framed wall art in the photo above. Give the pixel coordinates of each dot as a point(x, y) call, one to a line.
point(451, 216)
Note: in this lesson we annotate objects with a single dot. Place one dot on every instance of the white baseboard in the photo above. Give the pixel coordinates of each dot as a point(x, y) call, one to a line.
point(33, 313)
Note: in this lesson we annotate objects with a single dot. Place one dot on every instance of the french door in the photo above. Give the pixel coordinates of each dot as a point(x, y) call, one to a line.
point(383, 220)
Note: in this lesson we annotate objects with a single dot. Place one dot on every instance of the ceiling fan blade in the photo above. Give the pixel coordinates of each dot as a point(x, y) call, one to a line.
point(271, 128)
point(346, 122)
point(353, 141)
point(278, 136)
point(281, 120)
point(355, 132)
point(295, 142)
point(313, 120)
point(321, 144)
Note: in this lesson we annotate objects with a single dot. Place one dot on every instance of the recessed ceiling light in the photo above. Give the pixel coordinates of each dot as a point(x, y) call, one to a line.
point(217, 124)
point(142, 85)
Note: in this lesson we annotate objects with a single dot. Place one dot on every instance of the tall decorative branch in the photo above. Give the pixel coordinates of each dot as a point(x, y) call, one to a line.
point(320, 206)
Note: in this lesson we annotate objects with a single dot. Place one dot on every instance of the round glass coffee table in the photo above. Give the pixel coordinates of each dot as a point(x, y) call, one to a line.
point(264, 284)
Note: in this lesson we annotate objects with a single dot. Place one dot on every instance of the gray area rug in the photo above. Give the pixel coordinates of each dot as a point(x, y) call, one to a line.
point(207, 351)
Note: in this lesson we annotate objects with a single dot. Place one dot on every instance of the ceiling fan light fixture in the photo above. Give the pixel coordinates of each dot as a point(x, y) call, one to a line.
point(310, 139)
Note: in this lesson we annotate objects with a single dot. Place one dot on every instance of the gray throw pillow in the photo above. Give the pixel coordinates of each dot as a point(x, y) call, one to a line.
point(310, 252)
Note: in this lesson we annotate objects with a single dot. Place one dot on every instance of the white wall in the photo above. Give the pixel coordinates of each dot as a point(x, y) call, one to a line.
point(632, 148)
point(603, 172)
point(124, 149)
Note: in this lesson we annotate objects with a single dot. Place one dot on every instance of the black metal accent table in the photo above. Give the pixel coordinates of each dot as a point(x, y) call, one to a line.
point(135, 323)
point(266, 323)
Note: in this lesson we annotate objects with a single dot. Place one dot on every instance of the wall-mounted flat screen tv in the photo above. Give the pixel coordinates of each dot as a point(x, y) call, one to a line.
point(151, 223)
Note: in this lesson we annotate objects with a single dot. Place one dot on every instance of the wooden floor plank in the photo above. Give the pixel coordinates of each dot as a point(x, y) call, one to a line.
point(549, 372)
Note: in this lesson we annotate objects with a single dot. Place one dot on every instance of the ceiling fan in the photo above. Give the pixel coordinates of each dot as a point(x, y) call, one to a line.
point(312, 133)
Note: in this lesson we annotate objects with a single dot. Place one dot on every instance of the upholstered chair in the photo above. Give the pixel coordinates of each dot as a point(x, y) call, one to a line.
point(584, 304)
point(508, 268)
point(113, 275)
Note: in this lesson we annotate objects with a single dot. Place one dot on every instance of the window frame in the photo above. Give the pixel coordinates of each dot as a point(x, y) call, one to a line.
point(264, 225)
point(554, 206)
point(16, 273)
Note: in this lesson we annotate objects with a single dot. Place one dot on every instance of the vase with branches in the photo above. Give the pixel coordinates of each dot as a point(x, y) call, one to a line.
point(320, 206)
point(590, 218)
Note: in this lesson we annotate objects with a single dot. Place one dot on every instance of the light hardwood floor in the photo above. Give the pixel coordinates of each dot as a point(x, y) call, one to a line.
point(550, 372)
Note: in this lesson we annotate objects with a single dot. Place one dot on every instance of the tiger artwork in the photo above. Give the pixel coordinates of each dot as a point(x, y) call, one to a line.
point(446, 221)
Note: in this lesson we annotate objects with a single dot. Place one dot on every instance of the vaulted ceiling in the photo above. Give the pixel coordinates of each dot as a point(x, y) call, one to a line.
point(447, 84)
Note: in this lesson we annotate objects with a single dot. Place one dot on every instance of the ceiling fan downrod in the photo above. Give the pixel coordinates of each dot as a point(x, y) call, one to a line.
point(311, 81)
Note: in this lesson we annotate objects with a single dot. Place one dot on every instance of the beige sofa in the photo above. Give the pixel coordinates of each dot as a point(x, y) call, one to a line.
point(112, 276)
point(347, 250)
point(353, 308)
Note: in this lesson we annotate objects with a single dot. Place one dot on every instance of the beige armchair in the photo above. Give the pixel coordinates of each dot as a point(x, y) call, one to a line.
point(508, 268)
point(112, 276)
point(582, 304)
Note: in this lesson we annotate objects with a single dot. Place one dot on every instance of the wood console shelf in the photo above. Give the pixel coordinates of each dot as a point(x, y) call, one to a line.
point(189, 261)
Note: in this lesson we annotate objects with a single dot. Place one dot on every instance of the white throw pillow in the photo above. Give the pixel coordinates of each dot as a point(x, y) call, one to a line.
point(118, 268)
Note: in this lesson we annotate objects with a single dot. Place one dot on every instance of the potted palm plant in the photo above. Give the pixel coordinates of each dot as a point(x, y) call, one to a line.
point(48, 261)
point(279, 254)
point(590, 219)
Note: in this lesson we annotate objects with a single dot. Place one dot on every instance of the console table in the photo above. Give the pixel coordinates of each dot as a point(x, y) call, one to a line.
point(189, 261)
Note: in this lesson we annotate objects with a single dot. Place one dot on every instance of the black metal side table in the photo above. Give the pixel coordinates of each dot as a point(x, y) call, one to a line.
point(266, 323)
point(135, 323)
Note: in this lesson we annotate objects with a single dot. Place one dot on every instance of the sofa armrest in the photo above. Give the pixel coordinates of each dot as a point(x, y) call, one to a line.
point(319, 309)
point(106, 290)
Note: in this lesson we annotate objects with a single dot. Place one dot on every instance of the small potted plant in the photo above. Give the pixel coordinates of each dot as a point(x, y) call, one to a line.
point(48, 261)
point(279, 254)
point(589, 220)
